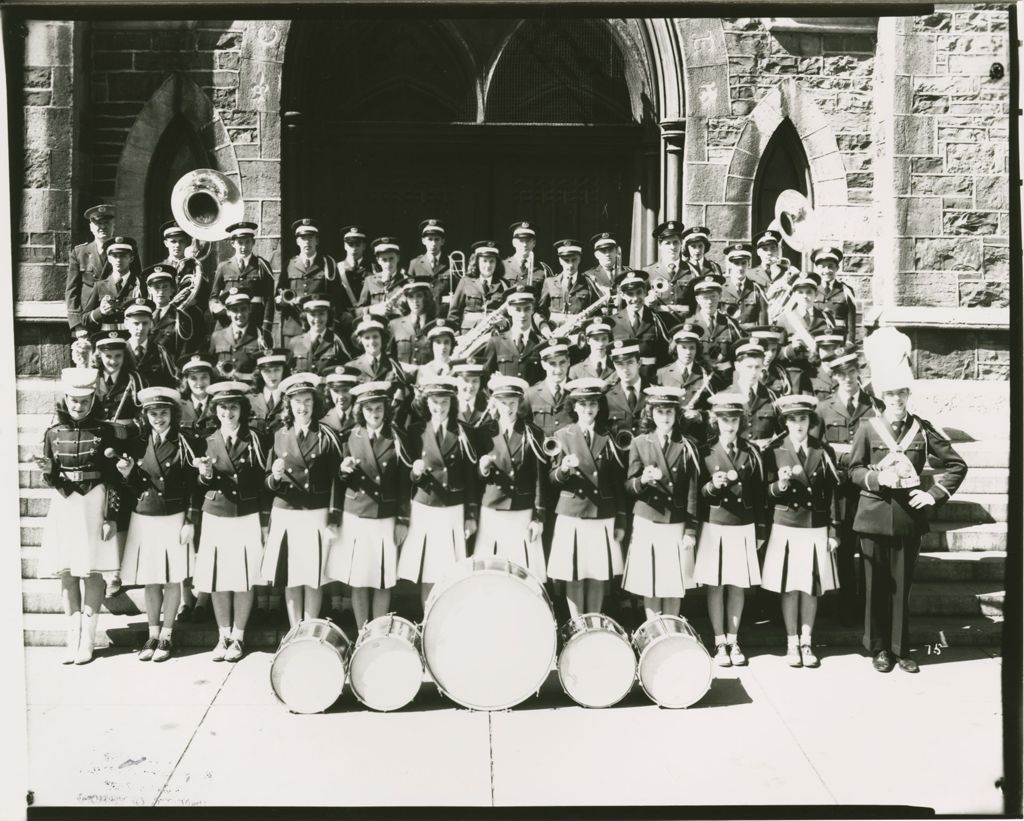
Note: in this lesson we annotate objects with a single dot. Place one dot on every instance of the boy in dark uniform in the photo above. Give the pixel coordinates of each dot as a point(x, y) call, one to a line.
point(183, 267)
point(626, 398)
point(635, 320)
point(517, 267)
point(409, 343)
point(606, 253)
point(86, 262)
point(743, 300)
point(481, 291)
point(237, 346)
point(431, 265)
point(835, 296)
point(385, 286)
point(245, 270)
point(178, 330)
point(515, 352)
point(119, 282)
point(567, 293)
point(598, 364)
point(149, 359)
point(720, 332)
point(545, 401)
point(802, 321)
point(309, 273)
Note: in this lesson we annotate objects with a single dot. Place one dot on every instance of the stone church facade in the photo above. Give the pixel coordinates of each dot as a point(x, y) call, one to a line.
point(896, 129)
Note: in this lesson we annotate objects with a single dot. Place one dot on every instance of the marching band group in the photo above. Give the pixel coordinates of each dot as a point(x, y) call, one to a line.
point(653, 429)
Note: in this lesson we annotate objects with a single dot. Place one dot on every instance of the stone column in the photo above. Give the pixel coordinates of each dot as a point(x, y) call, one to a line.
point(673, 135)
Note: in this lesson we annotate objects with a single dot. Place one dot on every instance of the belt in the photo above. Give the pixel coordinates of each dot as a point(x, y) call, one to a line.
point(80, 475)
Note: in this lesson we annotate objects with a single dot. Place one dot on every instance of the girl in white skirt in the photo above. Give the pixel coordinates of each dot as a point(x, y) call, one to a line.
point(443, 512)
point(799, 561)
point(80, 534)
point(513, 468)
point(731, 513)
point(234, 510)
point(375, 472)
point(663, 477)
point(590, 515)
point(303, 478)
point(160, 481)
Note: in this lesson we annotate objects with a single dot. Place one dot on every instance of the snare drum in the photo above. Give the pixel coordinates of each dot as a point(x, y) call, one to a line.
point(597, 665)
point(386, 670)
point(489, 634)
point(309, 668)
point(674, 668)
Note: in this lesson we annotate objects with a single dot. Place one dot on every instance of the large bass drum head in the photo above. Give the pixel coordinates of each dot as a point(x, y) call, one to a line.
point(597, 668)
point(675, 671)
point(308, 675)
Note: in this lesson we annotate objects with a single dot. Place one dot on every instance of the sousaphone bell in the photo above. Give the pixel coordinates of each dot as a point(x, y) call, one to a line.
point(205, 202)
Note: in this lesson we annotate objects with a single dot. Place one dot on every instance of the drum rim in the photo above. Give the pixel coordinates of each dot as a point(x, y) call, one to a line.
point(640, 678)
point(395, 619)
point(632, 681)
point(416, 647)
point(617, 628)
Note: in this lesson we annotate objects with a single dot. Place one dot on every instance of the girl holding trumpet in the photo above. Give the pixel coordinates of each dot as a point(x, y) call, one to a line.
point(234, 515)
point(159, 478)
point(375, 470)
point(303, 478)
point(663, 478)
point(799, 561)
point(731, 490)
point(590, 521)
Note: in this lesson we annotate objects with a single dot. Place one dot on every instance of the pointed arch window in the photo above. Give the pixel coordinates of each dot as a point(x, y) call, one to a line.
point(783, 165)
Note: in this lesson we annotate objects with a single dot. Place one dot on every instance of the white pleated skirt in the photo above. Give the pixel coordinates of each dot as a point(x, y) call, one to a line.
point(230, 552)
point(295, 553)
point(798, 558)
point(584, 549)
point(657, 564)
point(436, 541)
point(153, 552)
point(72, 541)
point(505, 534)
point(727, 554)
point(365, 553)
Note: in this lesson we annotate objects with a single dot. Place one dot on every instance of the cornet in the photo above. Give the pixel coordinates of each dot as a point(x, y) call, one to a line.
point(551, 447)
point(623, 438)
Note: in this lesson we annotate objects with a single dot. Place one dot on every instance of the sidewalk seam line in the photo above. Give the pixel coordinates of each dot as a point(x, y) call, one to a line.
point(490, 743)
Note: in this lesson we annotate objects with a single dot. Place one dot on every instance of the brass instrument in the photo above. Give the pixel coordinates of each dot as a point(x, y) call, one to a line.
point(623, 438)
point(796, 221)
point(575, 323)
point(227, 367)
point(477, 336)
point(391, 303)
point(551, 447)
point(456, 268)
point(661, 285)
point(286, 296)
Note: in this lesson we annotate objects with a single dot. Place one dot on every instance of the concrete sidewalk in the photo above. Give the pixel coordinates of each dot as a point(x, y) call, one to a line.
point(194, 732)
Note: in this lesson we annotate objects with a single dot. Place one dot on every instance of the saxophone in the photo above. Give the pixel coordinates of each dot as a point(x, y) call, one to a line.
point(575, 323)
point(391, 303)
point(478, 335)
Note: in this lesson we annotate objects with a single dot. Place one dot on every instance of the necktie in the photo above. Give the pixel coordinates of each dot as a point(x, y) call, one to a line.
point(522, 266)
point(373, 364)
point(631, 397)
point(634, 320)
point(238, 335)
point(433, 263)
point(672, 268)
point(230, 442)
point(558, 395)
point(731, 451)
point(600, 367)
point(158, 315)
point(200, 407)
point(850, 407)
point(521, 344)
point(307, 263)
point(110, 382)
point(587, 437)
point(801, 454)
point(371, 435)
point(664, 443)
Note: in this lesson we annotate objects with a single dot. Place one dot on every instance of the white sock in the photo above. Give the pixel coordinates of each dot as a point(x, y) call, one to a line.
point(237, 634)
point(225, 632)
point(805, 638)
point(719, 639)
point(165, 633)
point(730, 638)
point(792, 642)
point(154, 630)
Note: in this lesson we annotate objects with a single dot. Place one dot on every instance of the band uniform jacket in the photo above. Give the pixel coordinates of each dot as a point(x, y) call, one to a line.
point(163, 480)
point(266, 414)
point(200, 423)
point(746, 305)
point(237, 485)
point(762, 421)
point(839, 300)
point(155, 366)
point(379, 487)
point(473, 297)
point(821, 383)
point(320, 279)
point(598, 370)
point(810, 500)
point(377, 291)
point(597, 488)
point(387, 370)
point(186, 270)
point(741, 501)
point(472, 417)
point(622, 416)
point(85, 263)
point(179, 331)
point(118, 401)
point(76, 462)
point(121, 292)
point(602, 277)
point(886, 511)
point(307, 355)
point(720, 332)
point(350, 285)
point(663, 270)
point(697, 384)
point(517, 274)
point(674, 498)
point(783, 376)
point(422, 267)
point(837, 426)
point(242, 353)
point(816, 321)
point(647, 330)
point(341, 422)
point(517, 476)
point(409, 344)
point(311, 478)
point(502, 355)
point(257, 277)
point(560, 298)
point(451, 476)
point(548, 413)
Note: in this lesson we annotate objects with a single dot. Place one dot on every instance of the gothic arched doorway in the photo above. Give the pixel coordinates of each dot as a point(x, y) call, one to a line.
point(783, 166)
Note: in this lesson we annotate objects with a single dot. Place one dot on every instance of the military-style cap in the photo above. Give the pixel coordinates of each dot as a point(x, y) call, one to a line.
point(235, 296)
point(738, 251)
point(485, 247)
point(520, 295)
point(383, 244)
point(368, 325)
point(768, 237)
point(687, 332)
point(242, 229)
point(501, 385)
point(195, 362)
point(276, 356)
point(371, 391)
point(469, 368)
point(554, 346)
point(158, 272)
point(827, 252)
point(697, 232)
point(305, 226)
point(795, 403)
point(600, 325)
point(119, 244)
point(100, 212)
point(352, 232)
point(140, 306)
point(624, 347)
point(172, 229)
point(158, 396)
point(79, 381)
point(766, 334)
point(304, 382)
point(708, 282)
point(830, 337)
point(228, 390)
point(586, 387)
point(110, 340)
point(522, 228)
point(314, 302)
point(418, 284)
point(728, 403)
point(440, 386)
point(664, 230)
point(806, 279)
point(603, 240)
point(431, 227)
point(663, 395)
point(745, 348)
point(440, 327)
point(631, 279)
point(841, 357)
point(340, 375)
point(568, 247)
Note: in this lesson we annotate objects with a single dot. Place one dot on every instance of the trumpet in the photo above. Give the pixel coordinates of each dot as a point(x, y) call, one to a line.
point(661, 285)
point(227, 367)
point(551, 447)
point(623, 438)
point(286, 296)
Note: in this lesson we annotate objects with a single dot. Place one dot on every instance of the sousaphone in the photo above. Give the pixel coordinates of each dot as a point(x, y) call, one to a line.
point(796, 221)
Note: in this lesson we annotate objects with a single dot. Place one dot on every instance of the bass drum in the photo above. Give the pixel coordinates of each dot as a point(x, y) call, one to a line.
point(489, 635)
point(675, 668)
point(386, 670)
point(597, 665)
point(309, 668)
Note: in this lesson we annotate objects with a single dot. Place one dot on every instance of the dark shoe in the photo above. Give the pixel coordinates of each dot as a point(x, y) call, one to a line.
point(722, 656)
point(883, 661)
point(113, 587)
point(808, 657)
point(185, 614)
point(235, 650)
point(164, 648)
point(909, 666)
point(146, 653)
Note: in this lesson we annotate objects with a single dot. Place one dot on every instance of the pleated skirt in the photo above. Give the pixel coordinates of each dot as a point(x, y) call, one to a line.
point(72, 542)
point(153, 552)
point(295, 553)
point(798, 558)
point(584, 549)
point(365, 553)
point(727, 554)
point(657, 564)
point(230, 553)
point(505, 534)
point(436, 541)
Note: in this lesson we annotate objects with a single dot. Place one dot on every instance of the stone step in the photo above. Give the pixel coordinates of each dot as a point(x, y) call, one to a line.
point(955, 536)
point(974, 507)
point(979, 566)
point(129, 632)
point(993, 480)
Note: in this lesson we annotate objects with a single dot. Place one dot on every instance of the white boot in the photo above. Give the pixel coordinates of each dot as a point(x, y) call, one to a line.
point(88, 642)
point(74, 635)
